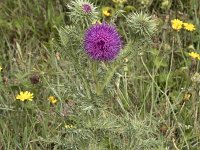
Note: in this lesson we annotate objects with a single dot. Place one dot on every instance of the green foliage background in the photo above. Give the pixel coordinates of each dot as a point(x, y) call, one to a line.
point(150, 101)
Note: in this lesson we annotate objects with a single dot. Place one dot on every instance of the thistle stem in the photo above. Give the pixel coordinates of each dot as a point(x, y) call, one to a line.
point(95, 78)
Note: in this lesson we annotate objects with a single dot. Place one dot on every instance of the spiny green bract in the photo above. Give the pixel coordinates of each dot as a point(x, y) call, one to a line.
point(82, 12)
point(142, 24)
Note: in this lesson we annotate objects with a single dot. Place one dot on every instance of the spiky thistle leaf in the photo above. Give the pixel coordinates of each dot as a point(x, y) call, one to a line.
point(70, 35)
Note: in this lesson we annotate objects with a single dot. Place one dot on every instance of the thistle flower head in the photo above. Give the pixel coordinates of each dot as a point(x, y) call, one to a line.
point(82, 11)
point(86, 8)
point(142, 24)
point(102, 42)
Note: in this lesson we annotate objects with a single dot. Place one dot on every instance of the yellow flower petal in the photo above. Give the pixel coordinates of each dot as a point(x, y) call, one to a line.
point(52, 99)
point(107, 11)
point(194, 55)
point(189, 26)
point(25, 96)
point(177, 24)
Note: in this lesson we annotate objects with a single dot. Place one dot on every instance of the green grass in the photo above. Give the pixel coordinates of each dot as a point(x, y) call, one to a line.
point(149, 102)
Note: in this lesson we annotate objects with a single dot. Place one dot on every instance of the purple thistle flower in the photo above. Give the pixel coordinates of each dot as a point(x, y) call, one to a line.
point(86, 8)
point(102, 42)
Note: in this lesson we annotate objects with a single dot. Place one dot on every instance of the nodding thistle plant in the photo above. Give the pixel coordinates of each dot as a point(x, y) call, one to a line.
point(142, 24)
point(82, 12)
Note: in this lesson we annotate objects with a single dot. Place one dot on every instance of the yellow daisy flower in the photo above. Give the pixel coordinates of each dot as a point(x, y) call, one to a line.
point(194, 55)
point(177, 24)
point(189, 26)
point(25, 96)
point(107, 11)
point(52, 99)
point(1, 68)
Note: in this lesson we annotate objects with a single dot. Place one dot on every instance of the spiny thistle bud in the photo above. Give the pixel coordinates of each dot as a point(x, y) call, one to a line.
point(166, 4)
point(82, 11)
point(196, 78)
point(142, 24)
